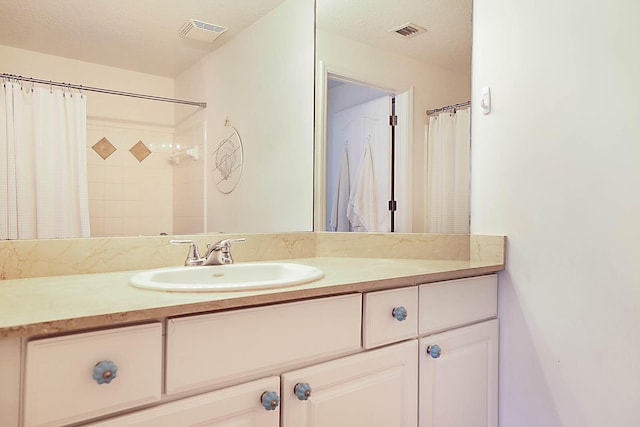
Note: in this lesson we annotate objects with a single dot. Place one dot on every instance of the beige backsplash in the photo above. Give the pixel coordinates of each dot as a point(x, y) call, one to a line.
point(39, 258)
point(394, 245)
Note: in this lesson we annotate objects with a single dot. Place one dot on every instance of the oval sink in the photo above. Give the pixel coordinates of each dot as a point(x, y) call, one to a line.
point(223, 278)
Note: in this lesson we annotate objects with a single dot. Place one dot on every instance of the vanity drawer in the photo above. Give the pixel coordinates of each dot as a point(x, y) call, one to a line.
point(224, 348)
point(59, 379)
point(233, 406)
point(389, 316)
point(446, 305)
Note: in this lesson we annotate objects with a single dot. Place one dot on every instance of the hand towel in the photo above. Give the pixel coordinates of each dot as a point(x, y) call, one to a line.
point(363, 200)
point(339, 220)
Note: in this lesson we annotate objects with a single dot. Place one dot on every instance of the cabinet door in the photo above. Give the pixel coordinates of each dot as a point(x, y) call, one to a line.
point(376, 388)
point(230, 407)
point(459, 379)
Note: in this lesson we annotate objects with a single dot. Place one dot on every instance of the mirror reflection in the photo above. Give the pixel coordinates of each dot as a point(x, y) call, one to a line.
point(377, 59)
point(154, 167)
point(151, 167)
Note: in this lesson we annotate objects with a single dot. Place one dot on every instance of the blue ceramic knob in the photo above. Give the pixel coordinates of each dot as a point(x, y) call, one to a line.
point(434, 351)
point(105, 371)
point(400, 313)
point(302, 391)
point(270, 400)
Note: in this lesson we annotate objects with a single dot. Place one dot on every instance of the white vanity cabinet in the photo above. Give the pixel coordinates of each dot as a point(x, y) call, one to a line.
point(404, 357)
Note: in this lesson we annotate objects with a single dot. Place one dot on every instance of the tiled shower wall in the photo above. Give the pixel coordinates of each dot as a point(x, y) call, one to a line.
point(128, 196)
point(188, 183)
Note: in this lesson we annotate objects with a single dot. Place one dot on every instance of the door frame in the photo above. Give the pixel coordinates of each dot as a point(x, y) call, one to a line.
point(404, 145)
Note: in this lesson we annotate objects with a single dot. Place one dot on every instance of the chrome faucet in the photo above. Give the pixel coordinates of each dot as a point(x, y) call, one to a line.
point(218, 253)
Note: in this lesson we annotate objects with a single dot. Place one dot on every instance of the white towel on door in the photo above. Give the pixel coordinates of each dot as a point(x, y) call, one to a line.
point(363, 201)
point(339, 220)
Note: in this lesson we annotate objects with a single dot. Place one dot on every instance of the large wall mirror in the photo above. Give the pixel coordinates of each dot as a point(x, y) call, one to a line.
point(374, 59)
point(151, 166)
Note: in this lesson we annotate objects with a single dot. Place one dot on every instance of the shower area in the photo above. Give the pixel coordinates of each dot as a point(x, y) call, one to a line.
point(67, 170)
point(447, 166)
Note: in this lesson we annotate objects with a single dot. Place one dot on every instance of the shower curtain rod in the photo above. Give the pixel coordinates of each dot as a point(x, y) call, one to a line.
point(101, 90)
point(448, 107)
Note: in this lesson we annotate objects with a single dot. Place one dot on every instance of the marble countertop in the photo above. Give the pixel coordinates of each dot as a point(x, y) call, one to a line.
point(56, 304)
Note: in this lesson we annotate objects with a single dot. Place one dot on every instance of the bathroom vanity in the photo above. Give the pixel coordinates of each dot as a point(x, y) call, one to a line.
point(376, 342)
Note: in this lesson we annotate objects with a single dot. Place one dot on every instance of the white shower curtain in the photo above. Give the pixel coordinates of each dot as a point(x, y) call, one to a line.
point(43, 163)
point(447, 175)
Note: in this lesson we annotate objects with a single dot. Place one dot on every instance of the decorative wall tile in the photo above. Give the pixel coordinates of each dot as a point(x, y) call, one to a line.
point(122, 178)
point(140, 151)
point(104, 148)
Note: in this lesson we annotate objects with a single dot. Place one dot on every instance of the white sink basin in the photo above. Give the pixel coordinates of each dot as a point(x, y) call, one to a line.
point(223, 278)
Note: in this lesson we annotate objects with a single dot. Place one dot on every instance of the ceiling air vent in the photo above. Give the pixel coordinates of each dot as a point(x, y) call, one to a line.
point(408, 30)
point(203, 31)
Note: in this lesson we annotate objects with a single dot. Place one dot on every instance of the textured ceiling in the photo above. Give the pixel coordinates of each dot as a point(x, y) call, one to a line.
point(142, 35)
point(446, 43)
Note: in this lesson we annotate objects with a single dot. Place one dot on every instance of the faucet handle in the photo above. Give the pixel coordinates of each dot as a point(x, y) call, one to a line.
point(193, 257)
point(224, 244)
point(238, 240)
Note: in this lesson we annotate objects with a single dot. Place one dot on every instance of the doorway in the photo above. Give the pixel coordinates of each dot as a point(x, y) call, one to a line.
point(366, 152)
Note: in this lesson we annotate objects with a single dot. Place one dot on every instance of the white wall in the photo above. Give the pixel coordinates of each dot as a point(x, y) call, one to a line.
point(262, 80)
point(433, 87)
point(556, 167)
